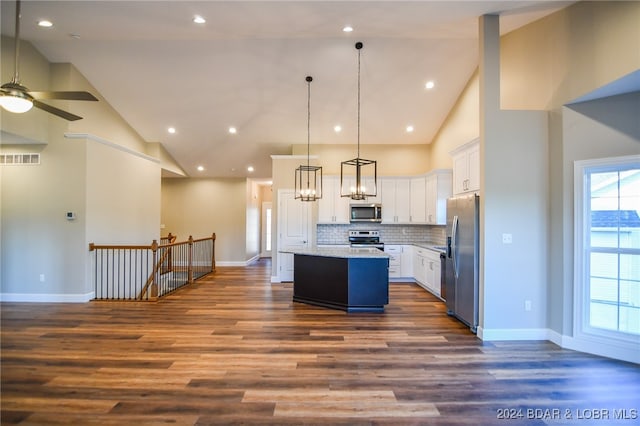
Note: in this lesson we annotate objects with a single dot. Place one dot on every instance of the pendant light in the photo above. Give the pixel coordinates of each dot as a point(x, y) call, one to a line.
point(358, 177)
point(308, 182)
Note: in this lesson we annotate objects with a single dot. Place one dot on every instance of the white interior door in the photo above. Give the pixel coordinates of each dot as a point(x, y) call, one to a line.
point(294, 230)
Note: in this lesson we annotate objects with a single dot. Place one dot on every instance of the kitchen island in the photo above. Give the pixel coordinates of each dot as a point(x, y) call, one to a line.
point(350, 279)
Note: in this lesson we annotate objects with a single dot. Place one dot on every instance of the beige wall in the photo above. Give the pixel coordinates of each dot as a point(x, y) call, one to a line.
point(199, 207)
point(36, 237)
point(569, 53)
point(34, 73)
point(461, 126)
point(393, 160)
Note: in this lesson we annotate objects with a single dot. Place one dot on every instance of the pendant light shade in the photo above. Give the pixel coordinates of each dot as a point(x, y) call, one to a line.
point(308, 181)
point(358, 177)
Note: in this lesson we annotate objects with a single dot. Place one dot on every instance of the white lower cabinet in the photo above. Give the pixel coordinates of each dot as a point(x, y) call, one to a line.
point(426, 269)
point(432, 267)
point(419, 269)
point(395, 261)
point(401, 261)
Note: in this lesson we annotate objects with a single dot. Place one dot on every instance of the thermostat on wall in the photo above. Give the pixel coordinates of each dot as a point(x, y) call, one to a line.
point(71, 216)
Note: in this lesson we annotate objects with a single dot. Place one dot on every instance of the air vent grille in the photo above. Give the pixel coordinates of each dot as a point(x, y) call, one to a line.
point(28, 159)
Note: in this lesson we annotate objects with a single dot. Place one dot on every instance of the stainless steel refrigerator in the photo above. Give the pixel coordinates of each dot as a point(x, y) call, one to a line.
point(462, 263)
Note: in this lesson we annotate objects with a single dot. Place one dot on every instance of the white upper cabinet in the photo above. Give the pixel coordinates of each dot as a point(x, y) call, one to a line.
point(466, 168)
point(396, 198)
point(332, 208)
point(418, 202)
point(438, 189)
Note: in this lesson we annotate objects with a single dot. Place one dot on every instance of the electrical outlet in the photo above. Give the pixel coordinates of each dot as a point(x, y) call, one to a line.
point(527, 305)
point(507, 238)
point(41, 278)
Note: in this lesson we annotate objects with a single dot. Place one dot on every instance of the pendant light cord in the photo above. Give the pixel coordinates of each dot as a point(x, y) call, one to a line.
point(358, 98)
point(308, 120)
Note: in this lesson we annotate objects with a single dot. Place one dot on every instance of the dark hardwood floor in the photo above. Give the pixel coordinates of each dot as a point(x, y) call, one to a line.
point(234, 349)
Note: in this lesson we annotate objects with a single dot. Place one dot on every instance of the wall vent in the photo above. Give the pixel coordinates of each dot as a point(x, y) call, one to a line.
point(29, 159)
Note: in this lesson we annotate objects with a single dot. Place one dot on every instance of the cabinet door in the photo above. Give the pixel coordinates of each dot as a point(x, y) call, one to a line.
point(388, 189)
point(403, 201)
point(460, 172)
point(332, 208)
point(430, 272)
point(417, 198)
point(437, 270)
point(473, 159)
point(326, 203)
point(407, 261)
point(431, 199)
point(419, 266)
point(438, 190)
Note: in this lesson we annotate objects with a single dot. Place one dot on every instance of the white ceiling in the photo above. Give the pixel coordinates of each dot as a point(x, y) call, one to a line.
point(246, 67)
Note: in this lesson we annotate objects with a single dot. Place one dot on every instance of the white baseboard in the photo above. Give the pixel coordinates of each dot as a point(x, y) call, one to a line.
point(231, 263)
point(624, 352)
point(513, 334)
point(629, 352)
point(46, 298)
point(275, 279)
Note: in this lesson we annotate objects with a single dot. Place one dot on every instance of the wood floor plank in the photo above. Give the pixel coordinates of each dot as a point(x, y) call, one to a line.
point(234, 349)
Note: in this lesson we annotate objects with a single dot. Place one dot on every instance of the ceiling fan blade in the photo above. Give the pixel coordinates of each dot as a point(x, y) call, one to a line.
point(56, 111)
point(69, 96)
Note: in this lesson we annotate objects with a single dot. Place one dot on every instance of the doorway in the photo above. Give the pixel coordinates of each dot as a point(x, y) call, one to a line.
point(266, 234)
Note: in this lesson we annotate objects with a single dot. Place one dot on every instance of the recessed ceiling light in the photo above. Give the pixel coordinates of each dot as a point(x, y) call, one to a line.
point(337, 128)
point(250, 169)
point(233, 130)
point(200, 168)
point(347, 29)
point(171, 130)
point(45, 23)
point(199, 19)
point(409, 128)
point(430, 84)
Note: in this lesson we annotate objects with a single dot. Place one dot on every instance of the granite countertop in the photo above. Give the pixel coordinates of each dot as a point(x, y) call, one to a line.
point(342, 252)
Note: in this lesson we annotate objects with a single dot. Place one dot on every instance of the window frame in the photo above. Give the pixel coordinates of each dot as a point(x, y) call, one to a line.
point(582, 328)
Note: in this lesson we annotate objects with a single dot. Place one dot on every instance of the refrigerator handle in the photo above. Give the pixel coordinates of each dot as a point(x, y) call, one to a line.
point(454, 246)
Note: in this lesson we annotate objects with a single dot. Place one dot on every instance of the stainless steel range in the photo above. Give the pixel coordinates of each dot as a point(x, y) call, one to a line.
point(364, 238)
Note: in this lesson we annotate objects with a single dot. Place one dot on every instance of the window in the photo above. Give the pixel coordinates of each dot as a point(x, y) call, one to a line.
point(608, 248)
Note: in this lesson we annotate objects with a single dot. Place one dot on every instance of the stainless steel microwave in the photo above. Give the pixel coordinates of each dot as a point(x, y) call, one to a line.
point(365, 213)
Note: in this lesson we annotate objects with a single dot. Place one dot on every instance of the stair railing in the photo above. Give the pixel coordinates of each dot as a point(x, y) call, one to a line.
point(138, 272)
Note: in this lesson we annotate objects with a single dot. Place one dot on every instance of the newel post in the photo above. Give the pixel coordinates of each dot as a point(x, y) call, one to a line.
point(213, 252)
point(154, 284)
point(190, 263)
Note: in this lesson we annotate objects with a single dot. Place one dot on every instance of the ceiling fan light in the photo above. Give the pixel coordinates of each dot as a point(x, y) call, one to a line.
point(17, 104)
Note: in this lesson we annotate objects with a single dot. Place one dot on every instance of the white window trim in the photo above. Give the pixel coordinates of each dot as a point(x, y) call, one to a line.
point(586, 338)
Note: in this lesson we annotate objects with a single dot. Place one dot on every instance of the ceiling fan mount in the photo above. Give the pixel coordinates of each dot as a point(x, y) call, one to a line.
point(15, 97)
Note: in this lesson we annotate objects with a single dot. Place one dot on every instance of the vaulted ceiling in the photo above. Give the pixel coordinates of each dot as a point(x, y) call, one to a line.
point(245, 67)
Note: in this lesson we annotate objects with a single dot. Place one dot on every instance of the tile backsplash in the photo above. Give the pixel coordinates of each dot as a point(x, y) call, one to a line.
point(389, 234)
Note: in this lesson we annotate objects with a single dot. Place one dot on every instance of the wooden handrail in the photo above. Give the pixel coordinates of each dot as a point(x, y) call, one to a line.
point(93, 247)
point(156, 284)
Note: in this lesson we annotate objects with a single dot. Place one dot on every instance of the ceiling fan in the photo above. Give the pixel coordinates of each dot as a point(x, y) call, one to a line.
point(15, 97)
